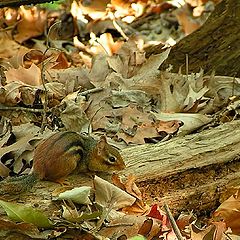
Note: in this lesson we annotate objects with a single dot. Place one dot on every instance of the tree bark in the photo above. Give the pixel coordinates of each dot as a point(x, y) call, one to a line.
point(213, 47)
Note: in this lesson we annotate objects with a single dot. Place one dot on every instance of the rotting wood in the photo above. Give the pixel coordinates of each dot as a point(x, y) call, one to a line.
point(190, 172)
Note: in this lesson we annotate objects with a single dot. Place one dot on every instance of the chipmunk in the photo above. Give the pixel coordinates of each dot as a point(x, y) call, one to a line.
point(62, 153)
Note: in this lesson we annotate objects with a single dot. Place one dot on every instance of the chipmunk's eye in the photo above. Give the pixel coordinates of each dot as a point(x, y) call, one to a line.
point(112, 159)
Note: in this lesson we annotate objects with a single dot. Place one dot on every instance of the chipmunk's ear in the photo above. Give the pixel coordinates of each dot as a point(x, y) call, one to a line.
point(101, 144)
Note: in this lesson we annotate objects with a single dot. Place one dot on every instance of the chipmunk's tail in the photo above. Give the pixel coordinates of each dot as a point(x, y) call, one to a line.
point(17, 185)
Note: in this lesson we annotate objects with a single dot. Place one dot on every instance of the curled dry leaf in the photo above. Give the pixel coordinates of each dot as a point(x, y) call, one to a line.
point(211, 232)
point(132, 188)
point(229, 211)
point(106, 193)
point(70, 214)
point(129, 186)
point(78, 195)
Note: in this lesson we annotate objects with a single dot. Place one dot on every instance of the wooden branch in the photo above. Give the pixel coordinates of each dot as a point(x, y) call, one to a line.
point(17, 3)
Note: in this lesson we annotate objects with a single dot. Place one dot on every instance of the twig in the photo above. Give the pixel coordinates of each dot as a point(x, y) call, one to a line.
point(116, 25)
point(187, 66)
point(90, 91)
point(173, 223)
point(119, 29)
point(45, 103)
point(119, 225)
point(2, 107)
point(49, 32)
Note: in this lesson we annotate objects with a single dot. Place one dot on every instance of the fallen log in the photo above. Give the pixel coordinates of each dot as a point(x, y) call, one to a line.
point(191, 172)
point(195, 172)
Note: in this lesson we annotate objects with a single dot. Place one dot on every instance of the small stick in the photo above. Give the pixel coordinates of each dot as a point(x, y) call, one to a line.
point(173, 223)
point(2, 107)
point(117, 27)
point(90, 91)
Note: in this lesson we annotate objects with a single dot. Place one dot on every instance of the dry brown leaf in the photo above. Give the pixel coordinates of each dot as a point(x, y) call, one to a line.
point(132, 58)
point(143, 132)
point(10, 94)
point(111, 196)
point(129, 185)
point(129, 225)
point(131, 117)
point(21, 148)
point(200, 234)
point(169, 127)
point(8, 47)
point(186, 20)
point(229, 211)
point(73, 116)
point(30, 76)
point(25, 57)
point(184, 220)
point(31, 25)
point(99, 70)
point(61, 62)
point(100, 111)
point(56, 90)
point(191, 121)
point(26, 229)
point(107, 42)
point(132, 188)
point(33, 56)
point(136, 126)
point(138, 208)
point(73, 78)
point(117, 181)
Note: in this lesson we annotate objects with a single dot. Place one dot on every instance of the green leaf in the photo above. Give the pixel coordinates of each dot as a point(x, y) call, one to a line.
point(90, 216)
point(138, 237)
point(52, 5)
point(21, 213)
